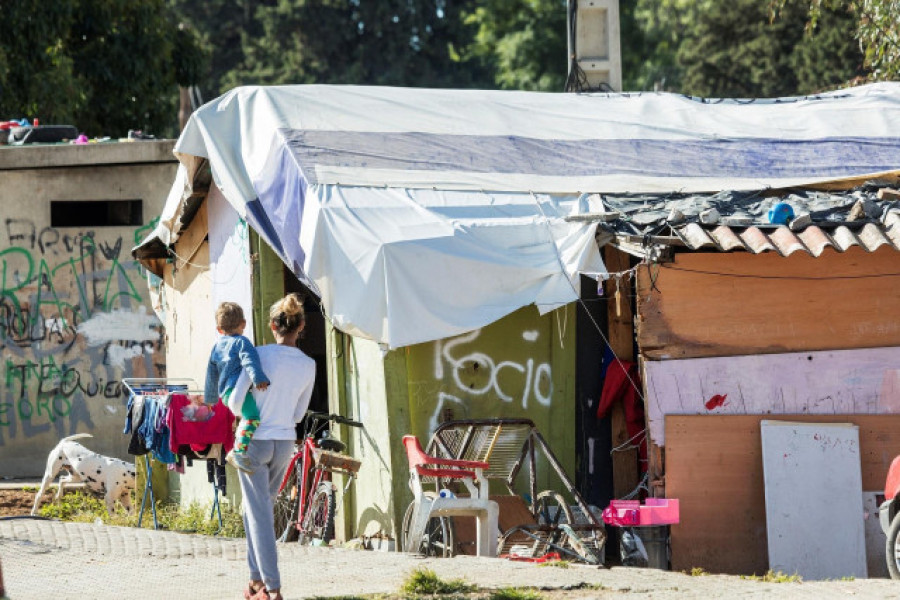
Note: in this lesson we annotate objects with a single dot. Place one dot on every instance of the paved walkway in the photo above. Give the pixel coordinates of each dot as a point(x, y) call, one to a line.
point(55, 560)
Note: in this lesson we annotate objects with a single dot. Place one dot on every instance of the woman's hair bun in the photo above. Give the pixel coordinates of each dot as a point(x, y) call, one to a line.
point(287, 314)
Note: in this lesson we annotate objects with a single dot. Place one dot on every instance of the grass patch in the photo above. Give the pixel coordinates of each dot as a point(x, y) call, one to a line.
point(560, 564)
point(509, 593)
point(698, 572)
point(426, 582)
point(81, 507)
point(774, 577)
point(423, 583)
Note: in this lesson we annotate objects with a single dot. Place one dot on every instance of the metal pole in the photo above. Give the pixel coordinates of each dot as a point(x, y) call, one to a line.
point(570, 41)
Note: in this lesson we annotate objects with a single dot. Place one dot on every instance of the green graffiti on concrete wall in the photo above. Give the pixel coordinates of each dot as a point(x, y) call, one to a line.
point(72, 325)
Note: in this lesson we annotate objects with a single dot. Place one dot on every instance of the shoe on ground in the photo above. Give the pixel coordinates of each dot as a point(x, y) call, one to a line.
point(239, 461)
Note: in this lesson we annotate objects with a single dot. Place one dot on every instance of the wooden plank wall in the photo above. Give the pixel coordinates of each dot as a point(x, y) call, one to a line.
point(714, 467)
point(767, 303)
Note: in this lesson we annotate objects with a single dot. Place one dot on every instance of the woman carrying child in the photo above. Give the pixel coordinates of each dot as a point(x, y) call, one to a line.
point(281, 407)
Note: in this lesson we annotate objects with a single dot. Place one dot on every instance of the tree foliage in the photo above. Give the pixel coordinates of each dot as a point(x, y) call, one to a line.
point(522, 42)
point(37, 77)
point(513, 44)
point(220, 26)
point(112, 65)
point(105, 66)
point(712, 48)
point(877, 28)
point(391, 42)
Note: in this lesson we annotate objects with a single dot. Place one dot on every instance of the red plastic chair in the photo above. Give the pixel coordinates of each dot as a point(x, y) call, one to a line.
point(424, 468)
point(432, 466)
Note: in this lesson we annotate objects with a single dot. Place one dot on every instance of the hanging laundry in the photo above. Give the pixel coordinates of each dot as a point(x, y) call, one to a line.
point(154, 430)
point(188, 426)
point(622, 382)
point(137, 445)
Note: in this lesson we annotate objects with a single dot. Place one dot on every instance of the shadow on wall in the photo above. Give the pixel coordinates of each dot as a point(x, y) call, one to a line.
point(376, 520)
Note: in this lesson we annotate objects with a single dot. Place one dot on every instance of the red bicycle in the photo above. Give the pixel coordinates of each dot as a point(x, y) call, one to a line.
point(305, 506)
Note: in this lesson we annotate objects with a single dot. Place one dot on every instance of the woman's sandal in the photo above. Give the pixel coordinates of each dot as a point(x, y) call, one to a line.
point(256, 593)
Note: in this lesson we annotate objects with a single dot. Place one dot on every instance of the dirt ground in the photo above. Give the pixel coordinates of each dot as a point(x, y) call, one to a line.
point(14, 503)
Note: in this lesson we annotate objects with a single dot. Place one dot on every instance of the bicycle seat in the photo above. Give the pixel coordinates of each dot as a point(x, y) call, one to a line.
point(332, 445)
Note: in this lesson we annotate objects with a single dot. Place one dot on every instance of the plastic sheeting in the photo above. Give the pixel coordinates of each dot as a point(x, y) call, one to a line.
point(403, 268)
point(420, 214)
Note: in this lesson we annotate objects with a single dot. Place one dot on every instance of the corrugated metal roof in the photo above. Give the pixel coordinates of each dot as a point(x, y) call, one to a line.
point(814, 239)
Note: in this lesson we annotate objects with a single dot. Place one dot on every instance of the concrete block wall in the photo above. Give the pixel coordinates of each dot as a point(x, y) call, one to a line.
point(76, 313)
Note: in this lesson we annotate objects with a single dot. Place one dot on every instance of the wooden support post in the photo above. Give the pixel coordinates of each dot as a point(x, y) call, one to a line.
point(656, 472)
point(626, 475)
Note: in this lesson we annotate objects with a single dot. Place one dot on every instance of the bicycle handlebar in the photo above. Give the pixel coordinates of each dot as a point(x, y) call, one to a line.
point(333, 417)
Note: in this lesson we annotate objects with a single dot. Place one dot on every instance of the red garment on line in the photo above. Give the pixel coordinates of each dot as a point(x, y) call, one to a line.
point(198, 434)
point(616, 386)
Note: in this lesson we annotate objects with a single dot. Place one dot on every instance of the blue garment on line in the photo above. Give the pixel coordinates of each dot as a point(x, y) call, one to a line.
point(153, 428)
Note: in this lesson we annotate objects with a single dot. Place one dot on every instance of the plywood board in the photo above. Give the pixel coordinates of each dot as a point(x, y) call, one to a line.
point(828, 382)
point(726, 304)
point(714, 467)
point(814, 508)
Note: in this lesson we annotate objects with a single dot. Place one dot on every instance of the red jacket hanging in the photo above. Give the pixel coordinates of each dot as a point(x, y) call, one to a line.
point(622, 382)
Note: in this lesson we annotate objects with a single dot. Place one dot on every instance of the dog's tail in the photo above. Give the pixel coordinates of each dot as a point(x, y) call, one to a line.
point(76, 437)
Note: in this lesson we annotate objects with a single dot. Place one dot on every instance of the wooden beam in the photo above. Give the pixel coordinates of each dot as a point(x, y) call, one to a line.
point(888, 194)
point(621, 340)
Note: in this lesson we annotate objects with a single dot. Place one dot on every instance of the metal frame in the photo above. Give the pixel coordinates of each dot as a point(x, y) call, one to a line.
point(479, 439)
point(157, 385)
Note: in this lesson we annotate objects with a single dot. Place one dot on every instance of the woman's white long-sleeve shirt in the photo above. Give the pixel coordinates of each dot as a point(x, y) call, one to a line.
point(292, 375)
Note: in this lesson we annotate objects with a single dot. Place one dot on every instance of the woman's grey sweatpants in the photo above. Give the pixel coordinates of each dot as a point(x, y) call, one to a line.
point(270, 460)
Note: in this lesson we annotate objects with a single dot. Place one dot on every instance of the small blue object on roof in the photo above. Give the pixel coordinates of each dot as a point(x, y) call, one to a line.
point(781, 213)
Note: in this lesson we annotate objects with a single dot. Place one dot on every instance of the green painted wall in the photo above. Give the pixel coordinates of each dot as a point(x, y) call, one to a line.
point(520, 366)
point(268, 286)
point(365, 379)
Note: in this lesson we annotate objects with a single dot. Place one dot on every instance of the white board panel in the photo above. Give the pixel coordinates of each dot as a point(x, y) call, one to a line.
point(860, 381)
point(229, 257)
point(814, 506)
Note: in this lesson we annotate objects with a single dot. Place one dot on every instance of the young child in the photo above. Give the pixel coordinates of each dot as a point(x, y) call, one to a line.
point(231, 353)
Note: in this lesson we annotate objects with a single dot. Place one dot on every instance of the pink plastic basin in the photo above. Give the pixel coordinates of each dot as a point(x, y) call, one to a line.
point(631, 513)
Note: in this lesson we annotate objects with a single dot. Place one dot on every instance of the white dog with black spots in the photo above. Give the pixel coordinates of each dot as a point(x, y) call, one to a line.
point(110, 477)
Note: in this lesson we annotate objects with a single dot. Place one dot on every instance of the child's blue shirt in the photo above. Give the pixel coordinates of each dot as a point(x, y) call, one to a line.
point(229, 355)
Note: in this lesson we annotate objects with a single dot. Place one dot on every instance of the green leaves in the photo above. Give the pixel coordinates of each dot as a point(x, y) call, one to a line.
point(392, 42)
point(105, 66)
point(874, 27)
point(521, 42)
point(740, 49)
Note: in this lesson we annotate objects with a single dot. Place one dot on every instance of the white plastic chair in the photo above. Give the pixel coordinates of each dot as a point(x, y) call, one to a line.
point(424, 467)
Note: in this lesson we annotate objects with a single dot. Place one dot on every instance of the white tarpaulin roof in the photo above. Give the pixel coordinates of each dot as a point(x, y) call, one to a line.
point(420, 214)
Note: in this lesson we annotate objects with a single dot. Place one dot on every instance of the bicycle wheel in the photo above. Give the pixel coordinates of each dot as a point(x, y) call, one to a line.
point(438, 539)
point(287, 503)
point(318, 522)
point(524, 542)
point(550, 508)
